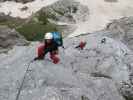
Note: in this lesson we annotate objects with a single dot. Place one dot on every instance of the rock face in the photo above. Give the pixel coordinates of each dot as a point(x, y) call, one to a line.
point(89, 74)
point(9, 38)
point(67, 11)
point(111, 1)
point(22, 1)
point(99, 72)
point(121, 30)
point(3, 17)
point(103, 70)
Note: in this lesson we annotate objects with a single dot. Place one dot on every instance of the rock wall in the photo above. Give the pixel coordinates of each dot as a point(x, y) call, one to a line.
point(9, 38)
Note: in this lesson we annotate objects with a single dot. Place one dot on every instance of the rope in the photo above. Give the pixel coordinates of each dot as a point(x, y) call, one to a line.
point(22, 83)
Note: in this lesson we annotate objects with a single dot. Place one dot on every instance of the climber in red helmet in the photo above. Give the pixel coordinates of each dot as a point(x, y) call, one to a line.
point(81, 45)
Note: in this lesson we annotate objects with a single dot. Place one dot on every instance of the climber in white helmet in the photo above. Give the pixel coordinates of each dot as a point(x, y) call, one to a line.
point(52, 40)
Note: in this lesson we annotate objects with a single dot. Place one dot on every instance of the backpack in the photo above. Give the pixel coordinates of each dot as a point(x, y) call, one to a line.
point(57, 37)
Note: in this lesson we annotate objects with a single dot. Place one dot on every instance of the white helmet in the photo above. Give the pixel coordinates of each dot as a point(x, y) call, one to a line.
point(48, 36)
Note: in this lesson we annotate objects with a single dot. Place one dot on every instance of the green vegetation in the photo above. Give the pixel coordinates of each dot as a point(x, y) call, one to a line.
point(35, 31)
point(42, 18)
point(11, 22)
point(128, 98)
point(32, 29)
point(38, 25)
